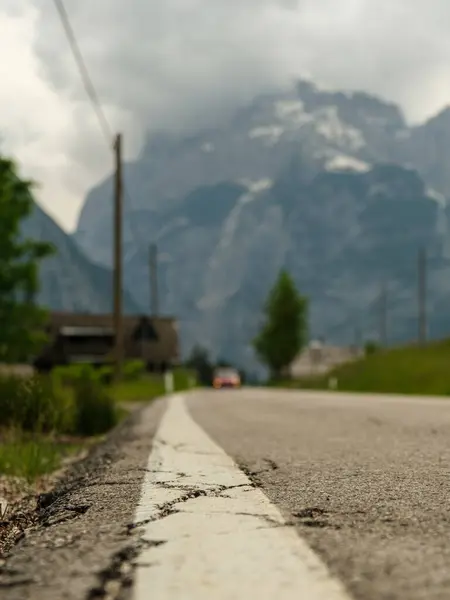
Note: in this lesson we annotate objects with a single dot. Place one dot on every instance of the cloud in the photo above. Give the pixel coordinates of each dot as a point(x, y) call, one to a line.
point(184, 63)
point(34, 125)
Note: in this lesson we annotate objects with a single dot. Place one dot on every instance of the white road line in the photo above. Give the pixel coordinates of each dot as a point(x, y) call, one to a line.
point(209, 534)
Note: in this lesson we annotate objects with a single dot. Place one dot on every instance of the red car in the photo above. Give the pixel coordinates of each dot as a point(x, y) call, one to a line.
point(226, 378)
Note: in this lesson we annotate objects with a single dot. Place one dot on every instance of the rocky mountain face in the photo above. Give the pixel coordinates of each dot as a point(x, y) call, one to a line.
point(335, 186)
point(69, 281)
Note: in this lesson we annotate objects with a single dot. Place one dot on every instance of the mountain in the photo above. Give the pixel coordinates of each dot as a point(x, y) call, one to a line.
point(335, 186)
point(69, 281)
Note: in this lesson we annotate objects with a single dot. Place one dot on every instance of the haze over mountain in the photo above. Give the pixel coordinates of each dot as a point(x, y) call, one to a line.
point(196, 61)
point(336, 186)
point(68, 280)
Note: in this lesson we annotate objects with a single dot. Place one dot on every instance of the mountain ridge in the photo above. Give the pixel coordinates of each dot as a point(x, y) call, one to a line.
point(69, 281)
point(228, 206)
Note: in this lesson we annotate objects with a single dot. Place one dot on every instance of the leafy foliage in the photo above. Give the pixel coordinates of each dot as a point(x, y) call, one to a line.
point(201, 363)
point(95, 409)
point(20, 320)
point(284, 332)
point(371, 347)
point(34, 404)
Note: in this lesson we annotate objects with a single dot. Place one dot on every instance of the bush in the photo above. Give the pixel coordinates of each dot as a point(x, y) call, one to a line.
point(134, 369)
point(95, 410)
point(371, 348)
point(33, 404)
point(42, 404)
point(70, 374)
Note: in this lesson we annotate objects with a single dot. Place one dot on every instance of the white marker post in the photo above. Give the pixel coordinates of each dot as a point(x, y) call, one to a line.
point(168, 382)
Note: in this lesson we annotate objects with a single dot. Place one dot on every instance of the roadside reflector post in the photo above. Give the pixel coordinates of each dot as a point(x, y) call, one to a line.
point(168, 382)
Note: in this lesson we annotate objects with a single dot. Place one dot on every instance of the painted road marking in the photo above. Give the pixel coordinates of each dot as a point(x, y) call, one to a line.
point(209, 534)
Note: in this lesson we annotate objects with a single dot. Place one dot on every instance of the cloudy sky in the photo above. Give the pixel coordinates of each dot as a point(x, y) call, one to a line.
point(182, 63)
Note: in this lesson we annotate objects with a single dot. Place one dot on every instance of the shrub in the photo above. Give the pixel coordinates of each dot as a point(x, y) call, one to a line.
point(95, 410)
point(72, 400)
point(370, 348)
point(45, 406)
point(70, 374)
point(134, 369)
point(33, 404)
point(104, 374)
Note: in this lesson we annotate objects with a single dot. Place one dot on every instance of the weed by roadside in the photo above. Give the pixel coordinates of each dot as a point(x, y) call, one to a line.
point(37, 413)
point(95, 408)
point(29, 457)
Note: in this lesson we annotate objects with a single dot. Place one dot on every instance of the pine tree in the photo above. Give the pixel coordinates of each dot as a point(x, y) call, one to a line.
point(285, 329)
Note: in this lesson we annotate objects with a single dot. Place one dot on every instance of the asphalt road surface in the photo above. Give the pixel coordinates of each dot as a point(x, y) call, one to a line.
point(254, 493)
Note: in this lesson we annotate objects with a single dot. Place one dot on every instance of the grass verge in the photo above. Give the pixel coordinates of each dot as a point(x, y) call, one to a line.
point(42, 415)
point(406, 370)
point(150, 386)
point(32, 457)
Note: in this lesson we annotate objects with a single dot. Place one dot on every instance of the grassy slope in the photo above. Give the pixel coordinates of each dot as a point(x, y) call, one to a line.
point(148, 387)
point(408, 370)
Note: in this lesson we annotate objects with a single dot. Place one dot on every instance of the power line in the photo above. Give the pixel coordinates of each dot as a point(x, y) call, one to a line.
point(93, 96)
point(87, 81)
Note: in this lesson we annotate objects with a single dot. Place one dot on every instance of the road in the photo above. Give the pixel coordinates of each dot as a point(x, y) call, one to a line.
point(254, 493)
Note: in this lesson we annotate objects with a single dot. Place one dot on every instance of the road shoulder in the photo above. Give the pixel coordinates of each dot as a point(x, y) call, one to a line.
point(83, 543)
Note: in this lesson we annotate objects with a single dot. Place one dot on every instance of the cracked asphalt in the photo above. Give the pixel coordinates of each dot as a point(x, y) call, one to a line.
point(364, 480)
point(84, 543)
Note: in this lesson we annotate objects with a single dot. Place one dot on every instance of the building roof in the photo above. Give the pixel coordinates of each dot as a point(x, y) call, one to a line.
point(74, 331)
point(164, 344)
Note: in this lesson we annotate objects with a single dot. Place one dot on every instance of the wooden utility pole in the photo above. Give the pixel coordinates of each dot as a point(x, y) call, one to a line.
point(383, 315)
point(154, 299)
point(421, 296)
point(118, 216)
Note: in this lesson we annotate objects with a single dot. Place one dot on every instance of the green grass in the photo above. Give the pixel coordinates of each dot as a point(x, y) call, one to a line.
point(50, 404)
point(147, 387)
point(184, 379)
point(36, 413)
point(405, 370)
point(31, 458)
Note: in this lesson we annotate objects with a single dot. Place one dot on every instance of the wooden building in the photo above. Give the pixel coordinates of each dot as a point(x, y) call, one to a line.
point(89, 338)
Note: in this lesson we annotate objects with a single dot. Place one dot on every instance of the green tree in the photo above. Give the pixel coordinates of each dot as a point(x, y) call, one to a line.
point(199, 361)
point(285, 328)
point(371, 347)
point(21, 331)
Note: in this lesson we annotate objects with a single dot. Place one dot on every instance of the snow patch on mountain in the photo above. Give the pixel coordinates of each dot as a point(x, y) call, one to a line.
point(256, 187)
point(437, 196)
point(333, 129)
point(292, 111)
point(341, 162)
point(270, 133)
